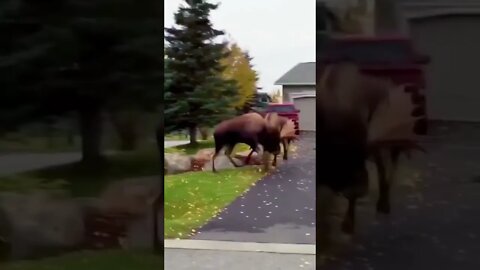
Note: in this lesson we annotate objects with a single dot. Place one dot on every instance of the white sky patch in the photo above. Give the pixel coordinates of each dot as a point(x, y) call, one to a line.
point(277, 33)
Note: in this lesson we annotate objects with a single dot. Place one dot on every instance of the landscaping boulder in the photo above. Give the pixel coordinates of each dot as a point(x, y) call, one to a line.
point(204, 154)
point(255, 159)
point(222, 163)
point(202, 157)
point(39, 224)
point(139, 233)
point(177, 163)
point(130, 196)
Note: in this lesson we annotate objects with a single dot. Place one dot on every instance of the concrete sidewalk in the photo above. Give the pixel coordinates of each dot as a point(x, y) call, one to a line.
point(188, 259)
point(168, 144)
point(207, 254)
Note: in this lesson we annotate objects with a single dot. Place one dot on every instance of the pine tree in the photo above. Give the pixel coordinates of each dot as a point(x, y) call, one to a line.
point(196, 94)
point(83, 56)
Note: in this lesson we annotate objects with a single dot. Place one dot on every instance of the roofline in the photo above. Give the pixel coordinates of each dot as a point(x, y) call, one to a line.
point(393, 37)
point(279, 82)
point(295, 83)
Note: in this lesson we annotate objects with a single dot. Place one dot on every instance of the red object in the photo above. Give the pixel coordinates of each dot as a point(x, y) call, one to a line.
point(105, 231)
point(287, 110)
point(391, 57)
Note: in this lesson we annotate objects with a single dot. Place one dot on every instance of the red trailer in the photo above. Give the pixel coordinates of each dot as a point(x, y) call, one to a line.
point(287, 110)
point(392, 57)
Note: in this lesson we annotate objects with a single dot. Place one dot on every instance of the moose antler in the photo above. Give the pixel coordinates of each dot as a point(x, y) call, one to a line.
point(288, 130)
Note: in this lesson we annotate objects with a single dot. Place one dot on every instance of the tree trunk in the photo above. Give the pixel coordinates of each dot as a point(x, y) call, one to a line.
point(91, 131)
point(193, 134)
point(70, 137)
point(49, 134)
point(157, 209)
point(157, 206)
point(159, 136)
point(71, 132)
point(204, 133)
point(127, 126)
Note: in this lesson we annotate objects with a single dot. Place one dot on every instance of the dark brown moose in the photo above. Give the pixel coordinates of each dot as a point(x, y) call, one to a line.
point(359, 118)
point(287, 135)
point(252, 129)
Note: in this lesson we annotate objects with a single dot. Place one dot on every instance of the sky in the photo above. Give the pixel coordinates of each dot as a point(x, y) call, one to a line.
point(277, 33)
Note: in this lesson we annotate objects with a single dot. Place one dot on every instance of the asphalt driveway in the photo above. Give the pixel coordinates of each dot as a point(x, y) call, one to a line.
point(439, 229)
point(279, 209)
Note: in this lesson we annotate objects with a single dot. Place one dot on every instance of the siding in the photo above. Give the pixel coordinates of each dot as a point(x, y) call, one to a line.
point(290, 90)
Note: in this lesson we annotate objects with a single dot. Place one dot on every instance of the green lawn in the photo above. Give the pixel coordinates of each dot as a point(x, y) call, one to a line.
point(193, 149)
point(176, 137)
point(20, 143)
point(92, 260)
point(82, 180)
point(14, 144)
point(192, 199)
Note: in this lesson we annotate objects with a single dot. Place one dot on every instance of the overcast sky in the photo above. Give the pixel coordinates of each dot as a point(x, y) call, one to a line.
point(277, 33)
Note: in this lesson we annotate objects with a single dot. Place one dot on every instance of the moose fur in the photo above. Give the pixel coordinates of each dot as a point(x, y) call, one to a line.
point(287, 135)
point(251, 129)
point(361, 117)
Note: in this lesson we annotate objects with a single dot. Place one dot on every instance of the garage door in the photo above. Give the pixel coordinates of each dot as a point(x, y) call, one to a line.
point(453, 75)
point(306, 105)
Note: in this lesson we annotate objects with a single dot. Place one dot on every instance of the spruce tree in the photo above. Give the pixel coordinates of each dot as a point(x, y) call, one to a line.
point(196, 93)
point(82, 56)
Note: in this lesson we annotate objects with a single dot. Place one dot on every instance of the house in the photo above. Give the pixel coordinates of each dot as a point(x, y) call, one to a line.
point(261, 100)
point(298, 87)
point(448, 32)
point(445, 30)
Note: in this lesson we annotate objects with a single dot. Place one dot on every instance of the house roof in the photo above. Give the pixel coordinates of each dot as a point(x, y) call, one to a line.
point(301, 74)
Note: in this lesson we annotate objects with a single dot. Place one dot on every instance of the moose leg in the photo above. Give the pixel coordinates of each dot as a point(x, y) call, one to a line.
point(383, 203)
point(247, 160)
point(228, 153)
point(348, 225)
point(213, 161)
point(254, 146)
point(218, 147)
point(274, 163)
point(285, 144)
point(359, 189)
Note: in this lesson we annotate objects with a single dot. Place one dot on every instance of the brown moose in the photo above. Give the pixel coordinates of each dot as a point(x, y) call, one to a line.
point(358, 118)
point(251, 129)
point(287, 135)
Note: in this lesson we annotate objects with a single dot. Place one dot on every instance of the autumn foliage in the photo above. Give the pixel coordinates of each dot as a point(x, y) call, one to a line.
point(240, 69)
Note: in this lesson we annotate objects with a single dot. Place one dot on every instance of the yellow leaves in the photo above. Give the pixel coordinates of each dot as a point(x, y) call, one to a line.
point(276, 96)
point(239, 69)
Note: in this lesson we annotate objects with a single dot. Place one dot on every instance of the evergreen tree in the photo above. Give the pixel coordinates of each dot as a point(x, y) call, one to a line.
point(83, 56)
point(196, 94)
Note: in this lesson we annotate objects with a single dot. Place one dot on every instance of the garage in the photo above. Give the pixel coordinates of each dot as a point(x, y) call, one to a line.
point(298, 87)
point(306, 105)
point(452, 42)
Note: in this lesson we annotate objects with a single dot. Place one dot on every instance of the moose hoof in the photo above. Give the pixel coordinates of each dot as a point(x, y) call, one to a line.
point(285, 158)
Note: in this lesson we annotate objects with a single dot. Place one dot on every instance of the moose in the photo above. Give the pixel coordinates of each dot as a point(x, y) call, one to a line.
point(359, 118)
point(287, 135)
point(252, 129)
